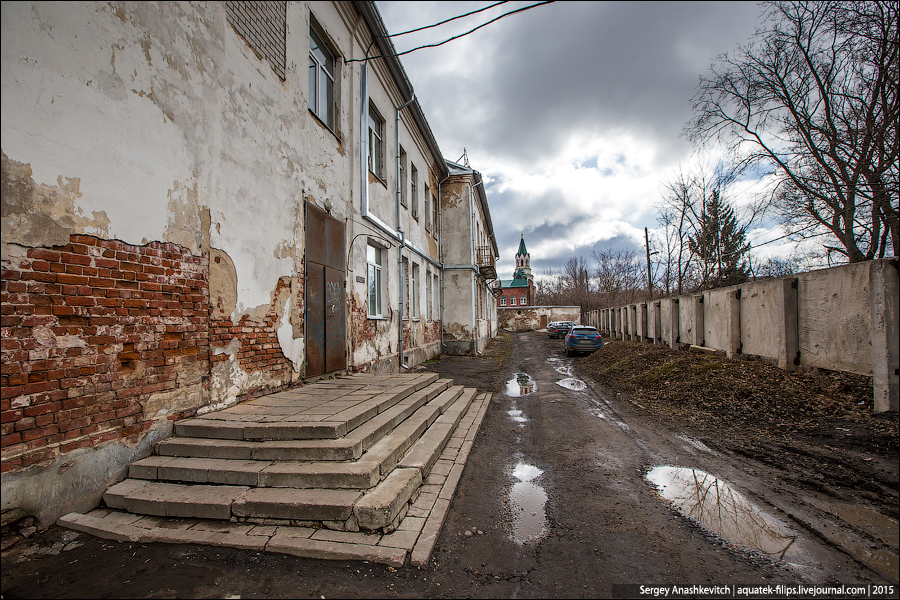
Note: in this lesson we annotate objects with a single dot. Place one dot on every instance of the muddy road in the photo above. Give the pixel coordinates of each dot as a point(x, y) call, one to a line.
point(555, 502)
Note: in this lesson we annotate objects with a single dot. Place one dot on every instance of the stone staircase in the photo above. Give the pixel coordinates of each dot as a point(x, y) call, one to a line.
point(360, 467)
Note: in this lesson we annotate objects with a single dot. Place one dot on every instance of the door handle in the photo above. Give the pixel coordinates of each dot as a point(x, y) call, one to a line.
point(333, 310)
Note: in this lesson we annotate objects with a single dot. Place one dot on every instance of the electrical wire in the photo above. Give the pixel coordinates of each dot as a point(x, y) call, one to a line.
point(455, 37)
point(468, 14)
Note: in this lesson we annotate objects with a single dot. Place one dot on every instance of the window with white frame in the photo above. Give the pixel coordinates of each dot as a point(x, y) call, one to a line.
point(376, 142)
point(522, 301)
point(413, 185)
point(321, 79)
point(502, 300)
point(414, 299)
point(403, 177)
point(435, 219)
point(428, 312)
point(512, 300)
point(435, 298)
point(374, 259)
point(427, 209)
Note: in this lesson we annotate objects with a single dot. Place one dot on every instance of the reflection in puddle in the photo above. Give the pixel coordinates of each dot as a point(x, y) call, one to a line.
point(572, 384)
point(719, 508)
point(520, 385)
point(529, 499)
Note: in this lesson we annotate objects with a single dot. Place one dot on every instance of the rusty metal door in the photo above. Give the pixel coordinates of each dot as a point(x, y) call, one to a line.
point(326, 343)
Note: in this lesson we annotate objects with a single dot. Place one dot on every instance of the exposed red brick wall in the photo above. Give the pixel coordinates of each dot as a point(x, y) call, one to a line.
point(518, 293)
point(89, 330)
point(260, 350)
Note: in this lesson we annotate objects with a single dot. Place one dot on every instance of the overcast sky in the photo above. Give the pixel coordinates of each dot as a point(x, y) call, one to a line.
point(572, 111)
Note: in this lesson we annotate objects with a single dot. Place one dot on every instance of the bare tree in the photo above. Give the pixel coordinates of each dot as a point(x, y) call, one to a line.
point(620, 275)
point(815, 95)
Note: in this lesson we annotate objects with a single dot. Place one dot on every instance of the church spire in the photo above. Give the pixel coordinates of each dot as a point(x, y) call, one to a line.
point(523, 259)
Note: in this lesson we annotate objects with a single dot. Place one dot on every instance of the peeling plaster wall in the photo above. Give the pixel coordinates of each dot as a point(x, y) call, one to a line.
point(156, 123)
point(529, 318)
point(144, 121)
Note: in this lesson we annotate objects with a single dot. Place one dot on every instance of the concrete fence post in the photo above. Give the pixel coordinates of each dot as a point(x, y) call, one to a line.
point(642, 321)
point(699, 323)
point(657, 322)
point(632, 322)
point(885, 295)
point(675, 319)
point(787, 312)
point(733, 323)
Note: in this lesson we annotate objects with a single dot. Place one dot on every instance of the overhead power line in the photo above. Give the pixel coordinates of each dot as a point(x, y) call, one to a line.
point(393, 35)
point(455, 37)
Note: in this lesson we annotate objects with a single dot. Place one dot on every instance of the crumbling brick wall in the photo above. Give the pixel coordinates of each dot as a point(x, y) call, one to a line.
point(90, 332)
point(259, 347)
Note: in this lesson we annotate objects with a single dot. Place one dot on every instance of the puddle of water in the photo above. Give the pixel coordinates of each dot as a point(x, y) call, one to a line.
point(529, 499)
point(520, 385)
point(524, 472)
point(572, 384)
point(516, 415)
point(721, 509)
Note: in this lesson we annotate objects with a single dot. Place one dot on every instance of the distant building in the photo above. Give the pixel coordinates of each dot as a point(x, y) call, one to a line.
point(468, 255)
point(518, 291)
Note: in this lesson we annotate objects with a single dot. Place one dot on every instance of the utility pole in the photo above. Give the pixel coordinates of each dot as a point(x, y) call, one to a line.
point(649, 276)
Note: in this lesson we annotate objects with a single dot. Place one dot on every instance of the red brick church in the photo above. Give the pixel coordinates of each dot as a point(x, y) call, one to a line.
point(518, 291)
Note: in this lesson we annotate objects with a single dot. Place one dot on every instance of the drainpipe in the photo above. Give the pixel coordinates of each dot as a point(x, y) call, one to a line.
point(400, 277)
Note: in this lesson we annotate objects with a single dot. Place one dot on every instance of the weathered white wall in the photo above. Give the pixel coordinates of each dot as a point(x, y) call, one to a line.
point(529, 318)
point(759, 319)
point(835, 322)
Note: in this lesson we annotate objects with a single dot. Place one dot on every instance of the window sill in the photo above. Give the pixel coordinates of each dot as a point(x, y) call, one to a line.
point(376, 318)
point(373, 175)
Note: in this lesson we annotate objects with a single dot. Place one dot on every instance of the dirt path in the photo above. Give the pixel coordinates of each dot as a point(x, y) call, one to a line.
point(554, 489)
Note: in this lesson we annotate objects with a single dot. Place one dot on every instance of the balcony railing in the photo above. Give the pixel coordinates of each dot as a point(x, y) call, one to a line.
point(485, 261)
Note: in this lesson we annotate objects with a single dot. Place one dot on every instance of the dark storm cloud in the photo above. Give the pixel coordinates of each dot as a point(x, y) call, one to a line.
point(539, 77)
point(573, 110)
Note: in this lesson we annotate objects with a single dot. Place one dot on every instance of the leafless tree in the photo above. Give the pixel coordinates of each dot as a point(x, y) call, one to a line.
point(815, 95)
point(620, 276)
point(776, 267)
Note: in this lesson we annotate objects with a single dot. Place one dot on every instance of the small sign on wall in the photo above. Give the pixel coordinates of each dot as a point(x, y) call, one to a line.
point(360, 279)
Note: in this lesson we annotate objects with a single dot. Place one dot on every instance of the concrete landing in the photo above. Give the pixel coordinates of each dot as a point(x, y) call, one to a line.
point(421, 428)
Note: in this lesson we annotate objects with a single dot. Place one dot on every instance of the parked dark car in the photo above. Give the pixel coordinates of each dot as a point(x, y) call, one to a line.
point(559, 328)
point(582, 338)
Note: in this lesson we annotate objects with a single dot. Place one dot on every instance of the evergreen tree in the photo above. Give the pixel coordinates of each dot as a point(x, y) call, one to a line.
point(720, 245)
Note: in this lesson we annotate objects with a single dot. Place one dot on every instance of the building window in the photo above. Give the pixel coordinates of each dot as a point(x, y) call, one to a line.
point(428, 300)
point(502, 300)
point(403, 199)
point(434, 209)
point(512, 300)
point(414, 301)
point(321, 79)
point(522, 301)
point(374, 260)
point(413, 184)
point(376, 143)
point(427, 209)
point(435, 297)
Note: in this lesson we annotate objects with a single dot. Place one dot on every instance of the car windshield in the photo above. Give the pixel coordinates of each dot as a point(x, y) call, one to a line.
point(584, 331)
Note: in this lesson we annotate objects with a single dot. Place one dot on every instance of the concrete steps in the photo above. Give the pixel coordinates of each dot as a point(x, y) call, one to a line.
point(248, 467)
